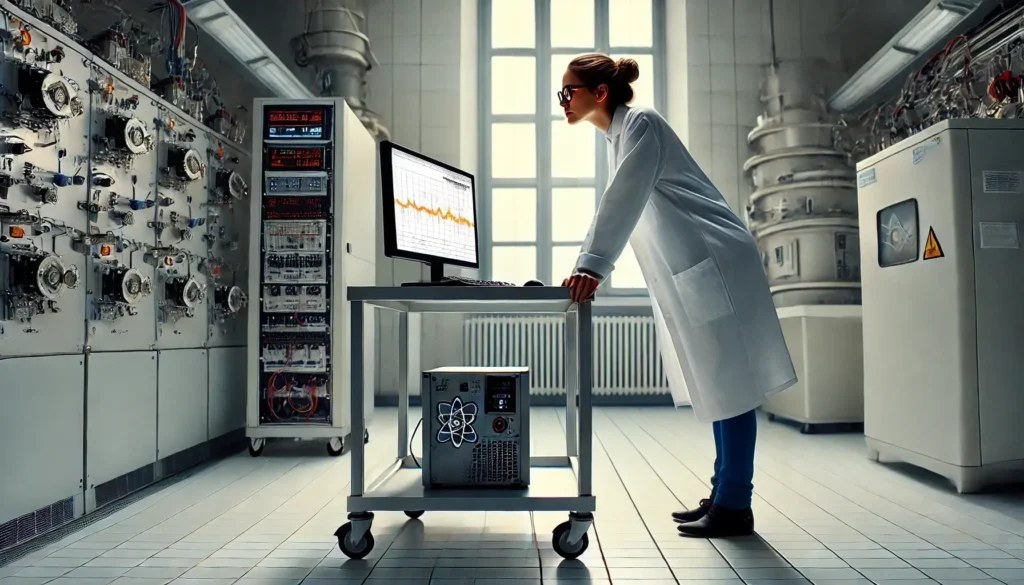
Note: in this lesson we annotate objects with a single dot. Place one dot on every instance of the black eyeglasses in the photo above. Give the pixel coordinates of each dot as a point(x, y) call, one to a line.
point(565, 94)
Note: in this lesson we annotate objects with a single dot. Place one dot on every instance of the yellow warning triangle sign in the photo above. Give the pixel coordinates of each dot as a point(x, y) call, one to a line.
point(932, 248)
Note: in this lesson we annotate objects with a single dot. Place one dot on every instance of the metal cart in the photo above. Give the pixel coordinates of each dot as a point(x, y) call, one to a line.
point(559, 484)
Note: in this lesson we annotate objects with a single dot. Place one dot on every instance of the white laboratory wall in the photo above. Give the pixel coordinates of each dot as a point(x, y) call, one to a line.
point(718, 51)
point(425, 88)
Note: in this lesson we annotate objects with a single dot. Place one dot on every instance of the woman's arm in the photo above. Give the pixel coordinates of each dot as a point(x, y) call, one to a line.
point(623, 201)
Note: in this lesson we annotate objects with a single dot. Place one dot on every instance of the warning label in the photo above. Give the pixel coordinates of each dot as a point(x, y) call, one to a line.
point(932, 248)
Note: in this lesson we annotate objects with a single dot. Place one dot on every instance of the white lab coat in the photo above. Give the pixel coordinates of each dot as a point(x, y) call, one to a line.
point(720, 337)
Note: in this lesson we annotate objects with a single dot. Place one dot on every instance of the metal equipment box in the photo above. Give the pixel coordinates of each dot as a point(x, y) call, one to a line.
point(476, 427)
point(313, 227)
point(943, 279)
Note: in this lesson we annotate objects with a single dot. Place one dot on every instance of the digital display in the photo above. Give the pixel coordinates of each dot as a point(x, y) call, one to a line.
point(296, 123)
point(306, 185)
point(295, 207)
point(500, 395)
point(295, 159)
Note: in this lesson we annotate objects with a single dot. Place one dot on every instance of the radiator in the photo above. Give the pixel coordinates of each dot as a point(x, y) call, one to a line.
point(626, 356)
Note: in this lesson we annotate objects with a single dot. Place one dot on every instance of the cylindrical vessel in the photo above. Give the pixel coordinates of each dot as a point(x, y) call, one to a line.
point(801, 200)
point(803, 210)
point(809, 257)
point(780, 166)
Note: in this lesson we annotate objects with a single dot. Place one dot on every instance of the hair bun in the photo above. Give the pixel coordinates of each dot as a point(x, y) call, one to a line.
point(627, 69)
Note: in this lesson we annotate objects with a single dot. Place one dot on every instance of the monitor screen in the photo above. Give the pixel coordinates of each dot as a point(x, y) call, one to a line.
point(433, 207)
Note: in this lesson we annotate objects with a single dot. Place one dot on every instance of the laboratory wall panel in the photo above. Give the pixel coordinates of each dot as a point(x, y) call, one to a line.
point(182, 400)
point(41, 432)
point(227, 240)
point(227, 391)
point(182, 279)
point(121, 414)
point(44, 168)
point(120, 210)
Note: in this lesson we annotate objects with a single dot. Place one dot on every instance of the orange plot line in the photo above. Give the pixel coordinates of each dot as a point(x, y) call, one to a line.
point(443, 214)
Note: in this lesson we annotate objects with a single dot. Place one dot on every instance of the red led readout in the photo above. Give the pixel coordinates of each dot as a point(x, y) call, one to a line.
point(296, 159)
point(279, 117)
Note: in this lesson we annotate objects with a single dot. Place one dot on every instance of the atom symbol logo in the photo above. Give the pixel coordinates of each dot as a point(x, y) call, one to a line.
point(456, 422)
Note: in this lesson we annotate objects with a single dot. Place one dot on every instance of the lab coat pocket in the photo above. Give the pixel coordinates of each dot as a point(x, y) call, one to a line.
point(703, 294)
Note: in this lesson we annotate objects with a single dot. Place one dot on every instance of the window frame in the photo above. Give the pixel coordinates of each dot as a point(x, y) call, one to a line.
point(542, 118)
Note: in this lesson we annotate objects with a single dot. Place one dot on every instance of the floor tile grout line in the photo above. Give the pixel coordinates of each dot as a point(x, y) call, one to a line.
point(830, 471)
point(835, 517)
point(899, 481)
point(630, 496)
point(768, 544)
point(597, 537)
point(880, 545)
point(188, 482)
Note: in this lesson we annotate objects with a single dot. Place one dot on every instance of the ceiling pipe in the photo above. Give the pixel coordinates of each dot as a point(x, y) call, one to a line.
point(335, 46)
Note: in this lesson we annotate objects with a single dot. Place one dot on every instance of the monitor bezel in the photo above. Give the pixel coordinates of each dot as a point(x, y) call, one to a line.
point(391, 249)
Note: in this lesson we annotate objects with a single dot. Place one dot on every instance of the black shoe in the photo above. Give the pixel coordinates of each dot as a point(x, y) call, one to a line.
point(720, 522)
point(693, 515)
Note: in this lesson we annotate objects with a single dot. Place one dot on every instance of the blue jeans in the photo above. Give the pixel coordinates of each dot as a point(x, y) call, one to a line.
point(732, 485)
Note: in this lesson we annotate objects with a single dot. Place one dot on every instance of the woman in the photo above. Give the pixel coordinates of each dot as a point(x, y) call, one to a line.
point(720, 337)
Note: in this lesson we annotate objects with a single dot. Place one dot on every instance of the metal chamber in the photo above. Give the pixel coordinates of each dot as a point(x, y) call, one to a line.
point(803, 210)
point(335, 46)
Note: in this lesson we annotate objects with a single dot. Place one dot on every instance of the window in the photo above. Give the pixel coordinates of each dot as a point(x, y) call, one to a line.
point(540, 178)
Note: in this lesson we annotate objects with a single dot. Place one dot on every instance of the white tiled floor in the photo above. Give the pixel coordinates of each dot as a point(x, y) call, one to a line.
point(824, 515)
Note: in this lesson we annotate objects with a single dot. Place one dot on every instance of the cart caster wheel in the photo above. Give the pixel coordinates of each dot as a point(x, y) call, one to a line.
point(414, 514)
point(335, 447)
point(771, 418)
point(358, 550)
point(366, 437)
point(560, 542)
point(256, 447)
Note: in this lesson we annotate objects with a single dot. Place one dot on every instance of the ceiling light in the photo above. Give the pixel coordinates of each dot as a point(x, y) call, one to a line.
point(223, 25)
point(935, 24)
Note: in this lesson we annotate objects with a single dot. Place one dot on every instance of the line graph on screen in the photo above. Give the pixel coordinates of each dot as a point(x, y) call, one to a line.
point(434, 213)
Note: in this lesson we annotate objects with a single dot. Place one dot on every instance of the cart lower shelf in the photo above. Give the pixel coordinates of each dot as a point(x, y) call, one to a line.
point(404, 491)
point(400, 489)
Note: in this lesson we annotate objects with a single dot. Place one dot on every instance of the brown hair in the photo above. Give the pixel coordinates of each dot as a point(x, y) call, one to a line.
point(596, 69)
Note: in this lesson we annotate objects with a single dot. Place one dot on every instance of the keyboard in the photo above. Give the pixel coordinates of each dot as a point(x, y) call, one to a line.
point(459, 281)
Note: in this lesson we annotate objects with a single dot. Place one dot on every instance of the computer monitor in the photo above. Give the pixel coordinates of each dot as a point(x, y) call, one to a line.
point(429, 210)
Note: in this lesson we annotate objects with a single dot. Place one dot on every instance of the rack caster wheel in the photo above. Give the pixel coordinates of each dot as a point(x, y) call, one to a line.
point(807, 429)
point(335, 447)
point(357, 550)
point(771, 418)
point(366, 437)
point(256, 447)
point(414, 514)
point(560, 541)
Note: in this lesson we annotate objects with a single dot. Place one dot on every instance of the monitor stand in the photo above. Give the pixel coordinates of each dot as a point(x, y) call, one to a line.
point(437, 277)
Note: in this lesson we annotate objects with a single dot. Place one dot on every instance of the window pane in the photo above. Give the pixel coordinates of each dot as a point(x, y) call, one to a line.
point(572, 210)
point(572, 23)
point(513, 215)
point(514, 264)
point(513, 151)
point(563, 260)
point(643, 87)
point(513, 85)
point(631, 23)
point(558, 65)
point(573, 150)
point(627, 272)
point(512, 24)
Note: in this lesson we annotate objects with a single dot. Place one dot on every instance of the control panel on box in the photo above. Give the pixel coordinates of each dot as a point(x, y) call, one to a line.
point(296, 230)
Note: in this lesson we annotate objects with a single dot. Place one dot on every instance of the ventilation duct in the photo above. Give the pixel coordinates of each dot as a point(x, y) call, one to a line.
point(339, 52)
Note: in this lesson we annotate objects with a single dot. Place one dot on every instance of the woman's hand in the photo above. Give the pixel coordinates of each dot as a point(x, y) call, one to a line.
point(581, 287)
